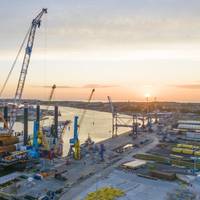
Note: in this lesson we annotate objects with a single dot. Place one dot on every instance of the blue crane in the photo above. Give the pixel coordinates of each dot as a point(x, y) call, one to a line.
point(36, 22)
point(75, 142)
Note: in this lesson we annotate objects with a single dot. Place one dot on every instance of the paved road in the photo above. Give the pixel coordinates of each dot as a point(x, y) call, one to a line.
point(74, 191)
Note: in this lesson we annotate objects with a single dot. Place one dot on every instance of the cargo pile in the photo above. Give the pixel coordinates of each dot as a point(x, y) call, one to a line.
point(167, 160)
point(7, 143)
point(14, 158)
point(163, 175)
point(187, 149)
point(183, 194)
point(106, 193)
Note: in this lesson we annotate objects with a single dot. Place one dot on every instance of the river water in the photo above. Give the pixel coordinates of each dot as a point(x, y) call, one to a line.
point(96, 124)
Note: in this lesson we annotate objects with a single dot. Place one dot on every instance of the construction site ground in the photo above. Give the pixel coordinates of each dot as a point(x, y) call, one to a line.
point(82, 174)
point(110, 172)
point(75, 178)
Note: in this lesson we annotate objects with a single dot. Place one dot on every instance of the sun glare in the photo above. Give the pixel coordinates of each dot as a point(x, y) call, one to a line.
point(147, 95)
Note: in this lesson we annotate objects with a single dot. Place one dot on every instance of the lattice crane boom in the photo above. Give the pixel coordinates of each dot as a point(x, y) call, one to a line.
point(111, 105)
point(84, 112)
point(36, 22)
point(28, 51)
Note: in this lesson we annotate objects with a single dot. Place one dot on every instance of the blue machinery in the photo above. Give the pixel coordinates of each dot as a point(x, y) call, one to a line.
point(36, 22)
point(30, 35)
point(75, 138)
point(74, 142)
point(33, 152)
point(35, 134)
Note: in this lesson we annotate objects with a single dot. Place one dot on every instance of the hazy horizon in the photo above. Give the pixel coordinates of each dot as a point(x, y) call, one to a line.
point(125, 49)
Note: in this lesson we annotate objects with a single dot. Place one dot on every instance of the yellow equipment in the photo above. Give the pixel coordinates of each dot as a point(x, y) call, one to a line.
point(187, 146)
point(106, 193)
point(41, 137)
point(188, 151)
point(197, 153)
point(77, 153)
point(44, 141)
point(177, 150)
point(183, 151)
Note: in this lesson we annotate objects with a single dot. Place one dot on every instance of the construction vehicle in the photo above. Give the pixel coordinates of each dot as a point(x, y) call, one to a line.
point(75, 142)
point(36, 22)
point(7, 137)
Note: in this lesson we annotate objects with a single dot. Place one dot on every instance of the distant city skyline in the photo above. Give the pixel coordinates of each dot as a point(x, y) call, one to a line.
point(126, 49)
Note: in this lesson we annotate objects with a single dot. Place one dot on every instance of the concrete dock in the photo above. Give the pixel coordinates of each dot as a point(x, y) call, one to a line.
point(100, 171)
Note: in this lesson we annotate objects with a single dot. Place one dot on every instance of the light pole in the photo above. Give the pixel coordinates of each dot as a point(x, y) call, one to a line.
point(155, 108)
point(148, 110)
point(195, 159)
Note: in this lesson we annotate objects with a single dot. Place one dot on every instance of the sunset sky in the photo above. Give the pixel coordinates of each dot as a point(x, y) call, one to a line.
point(125, 48)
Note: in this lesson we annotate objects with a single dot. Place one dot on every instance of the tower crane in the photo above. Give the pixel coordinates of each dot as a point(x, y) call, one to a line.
point(36, 22)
